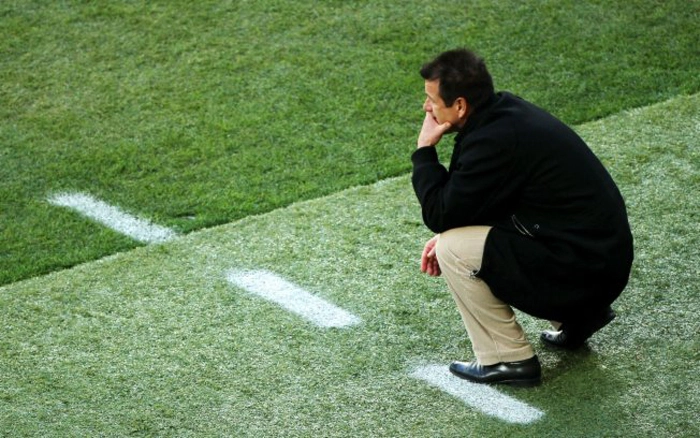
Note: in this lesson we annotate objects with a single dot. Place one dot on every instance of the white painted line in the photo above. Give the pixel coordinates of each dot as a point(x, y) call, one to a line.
point(112, 217)
point(293, 298)
point(479, 396)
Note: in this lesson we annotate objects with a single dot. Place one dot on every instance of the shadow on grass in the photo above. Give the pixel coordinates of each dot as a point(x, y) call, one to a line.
point(573, 378)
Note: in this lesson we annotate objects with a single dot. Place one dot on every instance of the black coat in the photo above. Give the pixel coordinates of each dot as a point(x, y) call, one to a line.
point(561, 242)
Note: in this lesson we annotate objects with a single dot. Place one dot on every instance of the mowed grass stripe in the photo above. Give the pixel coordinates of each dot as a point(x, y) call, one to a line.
point(156, 342)
point(197, 114)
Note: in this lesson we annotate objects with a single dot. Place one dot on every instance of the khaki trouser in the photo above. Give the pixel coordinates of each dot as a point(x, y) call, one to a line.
point(495, 334)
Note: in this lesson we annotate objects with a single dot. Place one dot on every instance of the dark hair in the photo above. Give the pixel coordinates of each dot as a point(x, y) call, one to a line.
point(462, 74)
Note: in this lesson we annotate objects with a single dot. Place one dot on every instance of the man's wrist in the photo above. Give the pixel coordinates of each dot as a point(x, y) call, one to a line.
point(424, 155)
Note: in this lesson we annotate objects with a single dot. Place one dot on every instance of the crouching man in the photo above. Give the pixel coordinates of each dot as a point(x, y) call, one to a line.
point(526, 217)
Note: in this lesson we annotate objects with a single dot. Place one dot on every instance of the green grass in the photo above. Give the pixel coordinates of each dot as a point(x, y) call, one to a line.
point(200, 113)
point(196, 114)
point(155, 342)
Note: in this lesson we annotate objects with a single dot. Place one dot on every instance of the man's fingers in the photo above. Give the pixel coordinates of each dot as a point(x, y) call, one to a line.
point(428, 260)
point(436, 268)
point(445, 127)
point(432, 131)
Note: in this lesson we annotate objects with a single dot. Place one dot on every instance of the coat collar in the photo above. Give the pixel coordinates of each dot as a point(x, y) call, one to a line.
point(477, 118)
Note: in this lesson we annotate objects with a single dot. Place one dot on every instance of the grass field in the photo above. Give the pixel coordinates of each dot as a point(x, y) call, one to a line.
point(198, 114)
point(156, 341)
point(258, 117)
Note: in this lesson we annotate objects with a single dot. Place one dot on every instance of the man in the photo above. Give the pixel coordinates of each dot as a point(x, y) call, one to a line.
point(526, 216)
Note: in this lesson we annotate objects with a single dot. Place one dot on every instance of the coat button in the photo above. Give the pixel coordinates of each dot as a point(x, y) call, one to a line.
point(537, 226)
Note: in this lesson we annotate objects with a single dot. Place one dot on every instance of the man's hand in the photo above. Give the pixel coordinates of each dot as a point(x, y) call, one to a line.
point(428, 260)
point(432, 132)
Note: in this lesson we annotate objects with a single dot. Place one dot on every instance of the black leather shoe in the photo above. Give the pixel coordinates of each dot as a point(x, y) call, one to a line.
point(574, 335)
point(522, 373)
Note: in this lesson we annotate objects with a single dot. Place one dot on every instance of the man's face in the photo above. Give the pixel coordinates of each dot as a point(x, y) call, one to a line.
point(435, 106)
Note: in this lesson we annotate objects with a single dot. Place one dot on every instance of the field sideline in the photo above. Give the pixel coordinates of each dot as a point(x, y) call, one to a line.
point(199, 114)
point(156, 342)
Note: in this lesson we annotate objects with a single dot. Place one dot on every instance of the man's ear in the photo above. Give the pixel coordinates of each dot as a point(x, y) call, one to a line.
point(462, 107)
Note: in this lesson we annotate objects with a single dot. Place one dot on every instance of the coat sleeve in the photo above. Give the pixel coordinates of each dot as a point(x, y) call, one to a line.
point(474, 192)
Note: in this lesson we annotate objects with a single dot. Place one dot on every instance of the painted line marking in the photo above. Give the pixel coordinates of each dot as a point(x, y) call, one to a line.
point(114, 218)
point(293, 298)
point(481, 397)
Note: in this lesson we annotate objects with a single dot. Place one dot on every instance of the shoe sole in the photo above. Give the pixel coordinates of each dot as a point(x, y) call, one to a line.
point(608, 319)
point(518, 383)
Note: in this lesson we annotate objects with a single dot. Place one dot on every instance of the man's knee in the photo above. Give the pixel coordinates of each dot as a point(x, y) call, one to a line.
point(461, 249)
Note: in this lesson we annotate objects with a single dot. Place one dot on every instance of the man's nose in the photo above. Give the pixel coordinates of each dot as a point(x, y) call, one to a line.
point(426, 106)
